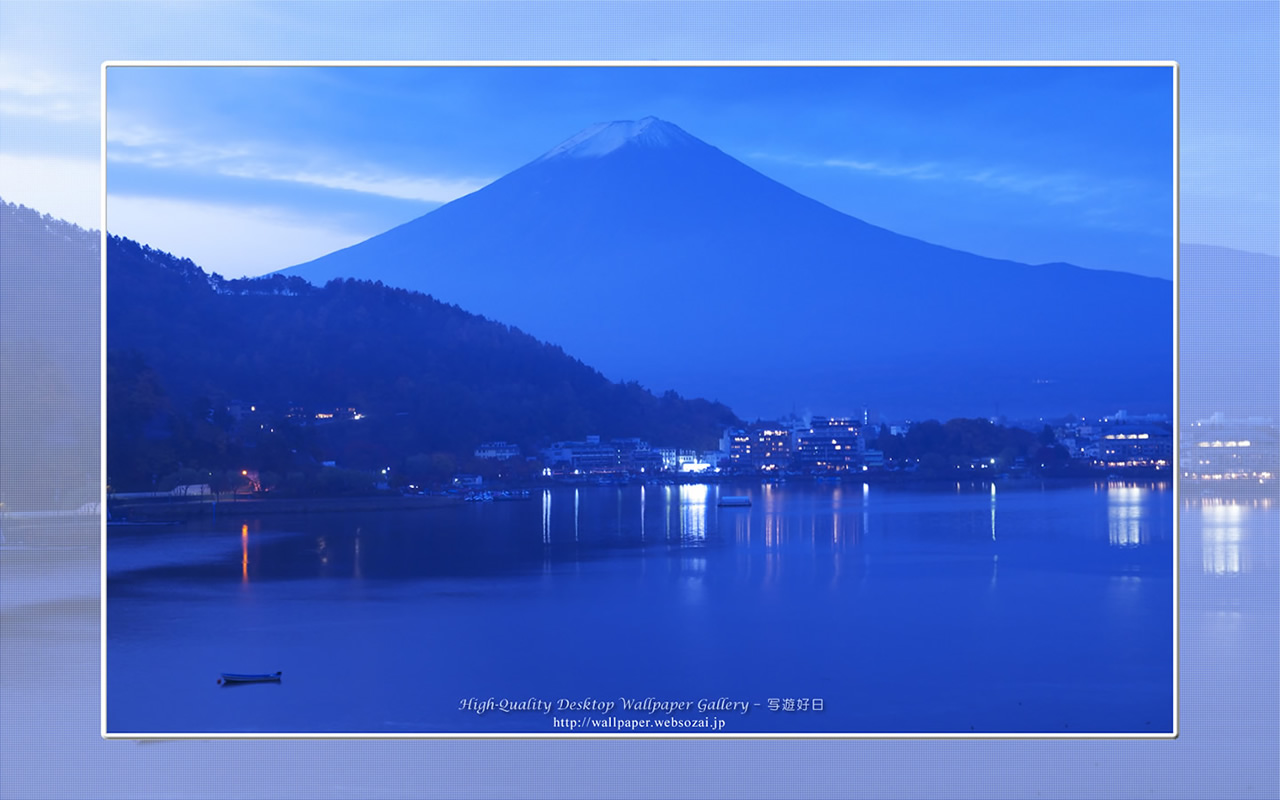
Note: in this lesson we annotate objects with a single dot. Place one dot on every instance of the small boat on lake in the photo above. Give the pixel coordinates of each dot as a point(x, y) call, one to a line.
point(229, 678)
point(734, 501)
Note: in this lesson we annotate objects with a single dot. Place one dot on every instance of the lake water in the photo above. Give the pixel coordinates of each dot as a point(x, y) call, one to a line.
point(954, 609)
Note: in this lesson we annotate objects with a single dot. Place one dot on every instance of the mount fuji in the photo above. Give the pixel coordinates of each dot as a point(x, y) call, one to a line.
point(655, 257)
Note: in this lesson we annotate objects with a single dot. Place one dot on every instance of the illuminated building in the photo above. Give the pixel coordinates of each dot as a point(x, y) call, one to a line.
point(582, 457)
point(737, 443)
point(497, 451)
point(1140, 445)
point(832, 444)
point(770, 448)
point(1220, 449)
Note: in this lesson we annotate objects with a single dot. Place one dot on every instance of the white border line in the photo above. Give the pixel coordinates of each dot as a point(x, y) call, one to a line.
point(1173, 466)
point(102, 399)
point(1175, 459)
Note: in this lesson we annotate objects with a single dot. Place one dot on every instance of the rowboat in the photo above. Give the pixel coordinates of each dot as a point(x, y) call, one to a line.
point(237, 677)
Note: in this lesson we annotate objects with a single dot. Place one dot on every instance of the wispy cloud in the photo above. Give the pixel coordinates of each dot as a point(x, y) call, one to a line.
point(136, 134)
point(927, 171)
point(133, 143)
point(28, 91)
point(371, 180)
point(148, 147)
point(50, 108)
point(233, 240)
point(1049, 187)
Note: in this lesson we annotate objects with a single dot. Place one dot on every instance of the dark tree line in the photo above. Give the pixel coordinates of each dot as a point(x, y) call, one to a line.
point(938, 447)
point(432, 380)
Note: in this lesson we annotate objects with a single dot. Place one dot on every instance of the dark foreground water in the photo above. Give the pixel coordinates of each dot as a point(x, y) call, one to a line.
point(960, 609)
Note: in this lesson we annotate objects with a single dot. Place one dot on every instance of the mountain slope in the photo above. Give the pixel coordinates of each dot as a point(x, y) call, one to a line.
point(428, 376)
point(657, 257)
point(49, 356)
point(1228, 329)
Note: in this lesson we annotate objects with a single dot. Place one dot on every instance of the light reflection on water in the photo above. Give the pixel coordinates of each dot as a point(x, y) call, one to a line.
point(1124, 591)
point(993, 515)
point(776, 515)
point(1221, 534)
point(866, 494)
point(546, 516)
point(1126, 515)
point(791, 518)
point(693, 512)
point(355, 557)
point(1228, 530)
point(842, 571)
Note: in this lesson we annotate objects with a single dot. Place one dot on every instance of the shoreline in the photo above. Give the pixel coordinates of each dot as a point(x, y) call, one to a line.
point(157, 510)
point(181, 510)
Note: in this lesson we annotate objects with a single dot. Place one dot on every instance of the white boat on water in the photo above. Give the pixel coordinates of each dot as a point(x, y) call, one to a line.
point(230, 678)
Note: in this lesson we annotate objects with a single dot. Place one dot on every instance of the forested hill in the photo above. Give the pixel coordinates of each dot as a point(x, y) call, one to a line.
point(49, 361)
point(428, 377)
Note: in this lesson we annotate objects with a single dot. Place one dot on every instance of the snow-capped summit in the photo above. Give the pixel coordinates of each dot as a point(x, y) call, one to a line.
point(657, 257)
point(606, 137)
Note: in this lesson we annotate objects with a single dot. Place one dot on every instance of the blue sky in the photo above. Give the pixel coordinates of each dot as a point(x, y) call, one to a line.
point(246, 170)
point(50, 54)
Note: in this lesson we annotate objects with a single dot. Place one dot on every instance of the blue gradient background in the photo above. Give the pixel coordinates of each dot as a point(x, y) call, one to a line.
point(1230, 125)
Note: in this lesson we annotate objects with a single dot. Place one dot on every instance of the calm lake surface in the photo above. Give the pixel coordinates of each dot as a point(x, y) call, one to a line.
point(952, 609)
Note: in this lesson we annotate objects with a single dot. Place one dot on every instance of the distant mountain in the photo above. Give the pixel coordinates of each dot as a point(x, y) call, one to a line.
point(1228, 330)
point(656, 257)
point(428, 377)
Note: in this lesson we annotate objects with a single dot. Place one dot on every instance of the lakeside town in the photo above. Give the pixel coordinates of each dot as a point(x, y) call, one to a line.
point(825, 446)
point(1216, 452)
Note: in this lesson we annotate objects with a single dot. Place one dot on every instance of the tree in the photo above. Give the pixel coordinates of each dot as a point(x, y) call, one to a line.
point(221, 481)
point(933, 464)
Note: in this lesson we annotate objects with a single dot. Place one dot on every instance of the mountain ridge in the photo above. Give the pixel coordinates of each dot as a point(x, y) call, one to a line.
point(705, 258)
